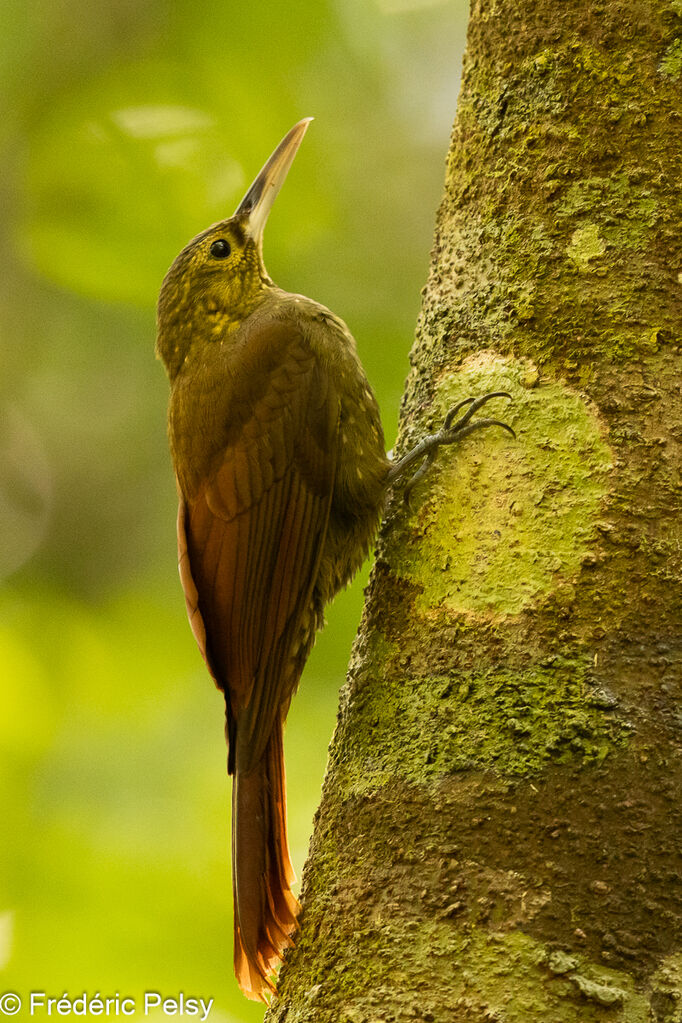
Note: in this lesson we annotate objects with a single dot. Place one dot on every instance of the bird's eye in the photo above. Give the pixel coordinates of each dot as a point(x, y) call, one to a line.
point(220, 248)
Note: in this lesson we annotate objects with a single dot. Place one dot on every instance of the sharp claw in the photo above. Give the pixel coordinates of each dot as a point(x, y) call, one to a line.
point(447, 422)
point(448, 434)
point(458, 432)
point(474, 405)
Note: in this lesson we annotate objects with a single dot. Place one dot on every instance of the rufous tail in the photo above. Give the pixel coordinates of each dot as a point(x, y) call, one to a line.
point(265, 908)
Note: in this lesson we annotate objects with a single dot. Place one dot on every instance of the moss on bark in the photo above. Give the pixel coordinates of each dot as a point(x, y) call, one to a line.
point(499, 832)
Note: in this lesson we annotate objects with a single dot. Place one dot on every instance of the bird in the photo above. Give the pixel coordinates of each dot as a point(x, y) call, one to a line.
point(282, 474)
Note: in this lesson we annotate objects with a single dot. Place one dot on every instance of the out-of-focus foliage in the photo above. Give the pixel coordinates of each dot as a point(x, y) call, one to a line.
point(126, 129)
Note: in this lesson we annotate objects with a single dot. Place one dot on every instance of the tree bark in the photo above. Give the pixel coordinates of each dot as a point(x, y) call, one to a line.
point(499, 834)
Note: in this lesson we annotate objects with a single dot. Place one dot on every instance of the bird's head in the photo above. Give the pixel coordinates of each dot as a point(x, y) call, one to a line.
point(219, 278)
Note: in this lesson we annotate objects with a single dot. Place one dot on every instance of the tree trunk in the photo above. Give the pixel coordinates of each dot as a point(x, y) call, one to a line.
point(499, 835)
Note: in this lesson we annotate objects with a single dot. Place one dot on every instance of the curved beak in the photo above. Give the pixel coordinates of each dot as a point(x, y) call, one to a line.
point(257, 202)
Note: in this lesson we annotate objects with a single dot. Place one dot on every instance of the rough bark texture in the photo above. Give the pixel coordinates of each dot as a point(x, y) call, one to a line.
point(499, 836)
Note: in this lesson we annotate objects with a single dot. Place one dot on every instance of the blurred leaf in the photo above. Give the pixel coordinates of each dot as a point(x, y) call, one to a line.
point(26, 713)
point(25, 490)
point(112, 184)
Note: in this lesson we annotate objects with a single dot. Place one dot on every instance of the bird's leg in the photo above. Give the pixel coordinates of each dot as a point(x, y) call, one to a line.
point(450, 432)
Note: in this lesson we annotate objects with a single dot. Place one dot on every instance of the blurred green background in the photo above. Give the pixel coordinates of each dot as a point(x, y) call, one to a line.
point(127, 128)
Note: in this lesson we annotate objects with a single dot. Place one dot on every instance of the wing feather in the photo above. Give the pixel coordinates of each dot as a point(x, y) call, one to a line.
point(250, 538)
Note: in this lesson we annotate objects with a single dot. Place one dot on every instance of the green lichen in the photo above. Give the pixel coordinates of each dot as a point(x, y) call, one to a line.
point(508, 520)
point(626, 211)
point(512, 722)
point(556, 144)
point(603, 994)
point(513, 984)
point(636, 343)
point(671, 65)
point(666, 989)
point(500, 975)
point(560, 963)
point(586, 245)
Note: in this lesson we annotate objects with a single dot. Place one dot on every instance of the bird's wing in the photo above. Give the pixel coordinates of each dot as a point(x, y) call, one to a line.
point(251, 538)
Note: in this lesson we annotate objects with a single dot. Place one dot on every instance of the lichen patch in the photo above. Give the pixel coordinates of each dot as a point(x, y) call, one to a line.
point(503, 521)
point(586, 245)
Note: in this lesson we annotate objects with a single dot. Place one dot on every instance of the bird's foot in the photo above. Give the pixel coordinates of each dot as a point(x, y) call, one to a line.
point(449, 433)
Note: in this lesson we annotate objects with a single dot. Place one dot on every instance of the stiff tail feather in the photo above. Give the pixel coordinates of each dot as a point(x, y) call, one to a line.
point(265, 908)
